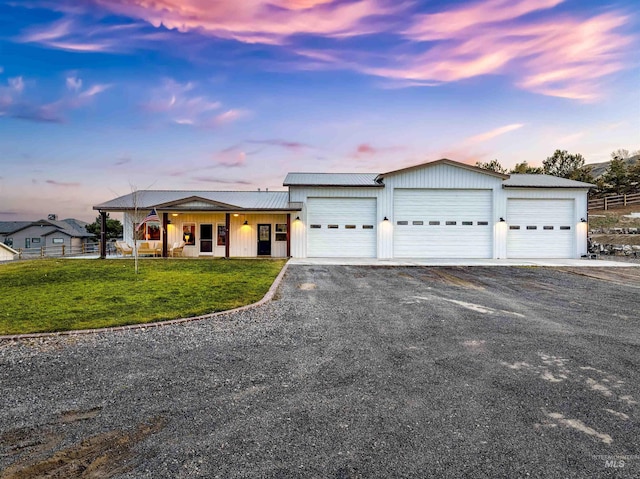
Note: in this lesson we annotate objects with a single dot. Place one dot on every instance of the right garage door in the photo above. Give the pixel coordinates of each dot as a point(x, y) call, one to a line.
point(540, 228)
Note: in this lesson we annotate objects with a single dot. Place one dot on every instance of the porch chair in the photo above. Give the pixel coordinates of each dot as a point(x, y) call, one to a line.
point(176, 249)
point(123, 248)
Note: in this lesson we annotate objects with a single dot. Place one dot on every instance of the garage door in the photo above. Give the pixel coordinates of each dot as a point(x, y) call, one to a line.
point(431, 223)
point(341, 227)
point(540, 228)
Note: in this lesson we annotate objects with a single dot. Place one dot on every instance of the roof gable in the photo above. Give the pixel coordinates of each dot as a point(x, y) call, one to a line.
point(443, 161)
point(196, 203)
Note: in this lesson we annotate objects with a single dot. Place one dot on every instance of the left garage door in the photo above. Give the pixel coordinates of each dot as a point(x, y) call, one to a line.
point(341, 227)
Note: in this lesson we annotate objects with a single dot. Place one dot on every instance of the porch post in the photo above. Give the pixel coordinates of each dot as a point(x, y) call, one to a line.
point(103, 234)
point(288, 235)
point(227, 227)
point(165, 223)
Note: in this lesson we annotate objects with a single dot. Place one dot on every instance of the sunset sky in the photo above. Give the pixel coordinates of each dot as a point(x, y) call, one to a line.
point(98, 97)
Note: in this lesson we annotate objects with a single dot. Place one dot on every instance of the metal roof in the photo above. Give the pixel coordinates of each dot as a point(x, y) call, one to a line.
point(542, 181)
point(69, 226)
point(331, 179)
point(202, 200)
point(443, 161)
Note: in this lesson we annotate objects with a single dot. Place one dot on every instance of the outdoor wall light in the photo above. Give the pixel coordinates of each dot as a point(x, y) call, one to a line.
point(236, 214)
point(501, 219)
point(174, 214)
point(297, 218)
point(583, 220)
point(385, 219)
point(245, 222)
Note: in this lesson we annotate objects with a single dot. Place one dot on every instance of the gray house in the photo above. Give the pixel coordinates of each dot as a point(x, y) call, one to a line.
point(50, 233)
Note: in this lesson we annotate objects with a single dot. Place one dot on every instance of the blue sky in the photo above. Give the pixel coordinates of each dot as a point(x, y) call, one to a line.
point(99, 97)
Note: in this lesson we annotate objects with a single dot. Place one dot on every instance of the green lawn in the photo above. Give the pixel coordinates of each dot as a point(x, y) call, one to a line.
point(61, 295)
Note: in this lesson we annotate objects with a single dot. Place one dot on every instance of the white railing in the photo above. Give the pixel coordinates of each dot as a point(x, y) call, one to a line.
point(58, 251)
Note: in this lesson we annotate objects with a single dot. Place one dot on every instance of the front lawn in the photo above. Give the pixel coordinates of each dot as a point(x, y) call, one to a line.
point(61, 295)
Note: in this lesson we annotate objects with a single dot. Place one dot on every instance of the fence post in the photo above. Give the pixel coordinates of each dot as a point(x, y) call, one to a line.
point(605, 203)
point(625, 199)
point(63, 250)
point(42, 251)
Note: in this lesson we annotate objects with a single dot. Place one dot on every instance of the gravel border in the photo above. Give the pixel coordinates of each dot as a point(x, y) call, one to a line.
point(265, 299)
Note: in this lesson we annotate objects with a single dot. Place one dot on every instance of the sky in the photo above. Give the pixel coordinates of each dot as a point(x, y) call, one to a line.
point(102, 97)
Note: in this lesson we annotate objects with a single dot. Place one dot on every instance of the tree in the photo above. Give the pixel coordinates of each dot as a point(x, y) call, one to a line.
point(493, 165)
point(563, 164)
point(114, 228)
point(524, 168)
point(616, 177)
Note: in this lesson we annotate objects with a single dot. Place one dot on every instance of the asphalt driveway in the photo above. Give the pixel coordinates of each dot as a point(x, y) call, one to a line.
point(351, 372)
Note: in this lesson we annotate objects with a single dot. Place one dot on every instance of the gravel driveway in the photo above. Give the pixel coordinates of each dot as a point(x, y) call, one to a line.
point(351, 372)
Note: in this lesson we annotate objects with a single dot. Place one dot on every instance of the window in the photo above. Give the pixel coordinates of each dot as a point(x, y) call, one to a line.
point(281, 232)
point(565, 227)
point(434, 223)
point(221, 235)
point(189, 233)
point(417, 223)
point(532, 227)
point(315, 227)
point(35, 240)
point(514, 227)
point(332, 227)
point(367, 227)
point(58, 241)
point(147, 231)
point(350, 227)
point(450, 223)
point(8, 242)
point(483, 223)
point(403, 223)
point(547, 227)
point(467, 223)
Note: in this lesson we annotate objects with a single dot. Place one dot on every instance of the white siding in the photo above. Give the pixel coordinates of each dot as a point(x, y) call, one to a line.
point(436, 223)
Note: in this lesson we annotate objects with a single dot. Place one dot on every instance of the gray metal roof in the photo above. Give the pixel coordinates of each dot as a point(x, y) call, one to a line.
point(542, 181)
point(331, 179)
point(7, 227)
point(202, 200)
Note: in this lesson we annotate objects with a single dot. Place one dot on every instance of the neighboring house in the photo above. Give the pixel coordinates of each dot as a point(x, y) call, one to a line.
point(24, 235)
point(7, 253)
point(441, 209)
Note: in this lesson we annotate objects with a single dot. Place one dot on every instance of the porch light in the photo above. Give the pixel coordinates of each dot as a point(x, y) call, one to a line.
point(583, 220)
point(236, 214)
point(297, 218)
point(385, 219)
point(245, 222)
point(501, 219)
point(174, 214)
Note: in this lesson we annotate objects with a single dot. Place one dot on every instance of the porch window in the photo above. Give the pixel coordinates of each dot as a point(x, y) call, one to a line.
point(189, 233)
point(281, 232)
point(222, 235)
point(147, 232)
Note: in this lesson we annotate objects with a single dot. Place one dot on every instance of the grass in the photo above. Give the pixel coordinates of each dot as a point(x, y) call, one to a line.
point(62, 295)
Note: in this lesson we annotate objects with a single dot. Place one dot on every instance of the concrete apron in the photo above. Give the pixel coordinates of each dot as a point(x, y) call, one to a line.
point(463, 262)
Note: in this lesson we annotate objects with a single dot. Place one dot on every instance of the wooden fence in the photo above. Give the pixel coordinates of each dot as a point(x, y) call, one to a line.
point(58, 251)
point(616, 201)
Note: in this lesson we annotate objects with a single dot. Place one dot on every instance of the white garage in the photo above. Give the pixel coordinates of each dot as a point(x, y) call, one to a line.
point(341, 227)
point(442, 223)
point(540, 228)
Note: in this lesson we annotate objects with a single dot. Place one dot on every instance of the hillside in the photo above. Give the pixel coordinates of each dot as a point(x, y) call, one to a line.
point(598, 169)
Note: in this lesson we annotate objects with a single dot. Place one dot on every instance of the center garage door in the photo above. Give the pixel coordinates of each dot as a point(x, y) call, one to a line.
point(432, 223)
point(341, 227)
point(540, 228)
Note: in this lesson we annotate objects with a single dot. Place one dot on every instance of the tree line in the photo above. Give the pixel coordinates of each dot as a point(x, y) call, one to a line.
point(622, 175)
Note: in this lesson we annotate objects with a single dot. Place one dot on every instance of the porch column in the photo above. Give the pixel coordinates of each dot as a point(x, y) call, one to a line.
point(103, 234)
point(165, 232)
point(227, 227)
point(288, 235)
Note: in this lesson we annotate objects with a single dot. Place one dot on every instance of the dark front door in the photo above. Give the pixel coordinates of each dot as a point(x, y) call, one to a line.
point(264, 240)
point(206, 239)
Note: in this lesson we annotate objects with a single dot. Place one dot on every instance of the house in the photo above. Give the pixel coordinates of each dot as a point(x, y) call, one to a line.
point(441, 209)
point(49, 233)
point(7, 253)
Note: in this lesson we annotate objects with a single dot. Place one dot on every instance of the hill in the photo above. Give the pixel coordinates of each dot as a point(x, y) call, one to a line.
point(598, 169)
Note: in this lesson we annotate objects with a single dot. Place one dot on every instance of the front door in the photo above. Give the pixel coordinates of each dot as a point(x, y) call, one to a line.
point(206, 239)
point(264, 240)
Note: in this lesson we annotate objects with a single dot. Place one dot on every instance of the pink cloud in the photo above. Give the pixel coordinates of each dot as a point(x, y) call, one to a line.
point(257, 21)
point(489, 135)
point(367, 150)
point(62, 184)
point(289, 145)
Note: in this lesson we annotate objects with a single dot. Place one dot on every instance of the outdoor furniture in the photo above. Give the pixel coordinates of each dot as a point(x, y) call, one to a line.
point(146, 248)
point(176, 249)
point(123, 248)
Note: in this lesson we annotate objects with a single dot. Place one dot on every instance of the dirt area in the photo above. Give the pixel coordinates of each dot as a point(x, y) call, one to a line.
point(616, 239)
point(100, 456)
point(615, 218)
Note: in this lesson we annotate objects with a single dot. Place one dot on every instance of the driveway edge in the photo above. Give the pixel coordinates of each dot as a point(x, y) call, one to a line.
point(265, 299)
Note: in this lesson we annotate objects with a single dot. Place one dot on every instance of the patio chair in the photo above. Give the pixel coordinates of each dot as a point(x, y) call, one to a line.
point(123, 248)
point(176, 249)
